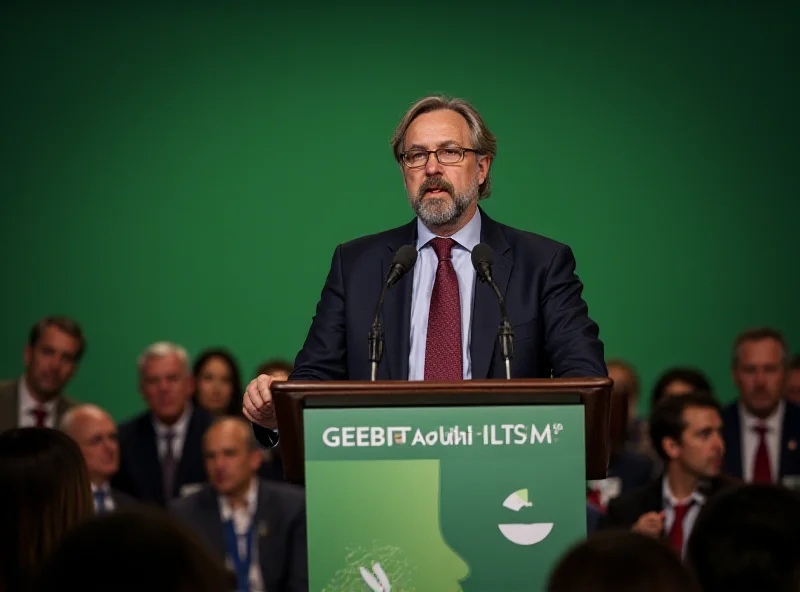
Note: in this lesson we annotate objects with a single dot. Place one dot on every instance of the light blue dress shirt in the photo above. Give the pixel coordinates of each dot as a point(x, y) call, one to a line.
point(424, 277)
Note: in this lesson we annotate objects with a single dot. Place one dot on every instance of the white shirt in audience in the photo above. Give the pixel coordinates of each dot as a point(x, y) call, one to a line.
point(179, 434)
point(669, 511)
point(27, 404)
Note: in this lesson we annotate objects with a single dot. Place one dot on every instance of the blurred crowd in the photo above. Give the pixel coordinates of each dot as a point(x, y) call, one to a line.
point(699, 496)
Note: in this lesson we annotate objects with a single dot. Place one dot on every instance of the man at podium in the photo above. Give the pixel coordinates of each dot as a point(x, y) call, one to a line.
point(441, 314)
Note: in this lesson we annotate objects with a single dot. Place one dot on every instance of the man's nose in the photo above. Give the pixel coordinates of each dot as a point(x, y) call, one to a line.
point(433, 166)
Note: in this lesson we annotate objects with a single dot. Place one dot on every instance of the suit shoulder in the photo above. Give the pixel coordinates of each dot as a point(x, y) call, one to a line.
point(357, 246)
point(9, 387)
point(132, 426)
point(293, 494)
point(194, 502)
point(533, 247)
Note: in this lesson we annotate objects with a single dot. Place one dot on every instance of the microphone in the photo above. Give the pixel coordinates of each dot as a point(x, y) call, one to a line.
point(482, 256)
point(403, 262)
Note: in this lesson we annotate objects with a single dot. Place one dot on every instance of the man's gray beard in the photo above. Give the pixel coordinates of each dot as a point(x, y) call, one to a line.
point(437, 211)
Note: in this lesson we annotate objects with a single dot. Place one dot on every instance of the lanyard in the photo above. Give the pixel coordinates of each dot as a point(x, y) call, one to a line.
point(241, 564)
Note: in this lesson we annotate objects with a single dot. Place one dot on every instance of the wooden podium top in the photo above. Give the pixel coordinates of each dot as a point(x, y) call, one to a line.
point(291, 397)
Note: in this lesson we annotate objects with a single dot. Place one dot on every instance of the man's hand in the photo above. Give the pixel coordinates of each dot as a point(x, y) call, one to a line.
point(258, 406)
point(651, 524)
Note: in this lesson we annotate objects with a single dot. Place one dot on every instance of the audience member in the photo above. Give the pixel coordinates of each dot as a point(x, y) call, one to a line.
point(628, 468)
point(132, 550)
point(626, 380)
point(55, 347)
point(762, 429)
point(793, 380)
point(278, 368)
point(687, 433)
point(748, 539)
point(679, 381)
point(617, 561)
point(45, 493)
point(96, 435)
point(258, 526)
point(161, 449)
point(217, 383)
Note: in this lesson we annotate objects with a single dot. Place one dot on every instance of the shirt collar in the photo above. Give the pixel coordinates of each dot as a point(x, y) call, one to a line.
point(671, 501)
point(105, 487)
point(27, 402)
point(178, 428)
point(772, 423)
point(251, 500)
point(467, 237)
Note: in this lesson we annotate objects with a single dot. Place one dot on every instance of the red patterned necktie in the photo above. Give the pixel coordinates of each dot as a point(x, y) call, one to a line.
point(762, 470)
point(443, 345)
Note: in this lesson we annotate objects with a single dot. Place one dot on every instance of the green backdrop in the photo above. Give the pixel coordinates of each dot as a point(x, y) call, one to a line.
point(183, 171)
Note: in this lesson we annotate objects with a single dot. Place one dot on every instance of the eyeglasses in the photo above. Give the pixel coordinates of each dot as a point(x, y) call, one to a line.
point(416, 159)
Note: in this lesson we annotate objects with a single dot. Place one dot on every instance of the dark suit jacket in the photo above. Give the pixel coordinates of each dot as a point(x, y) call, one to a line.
point(9, 405)
point(281, 520)
point(625, 510)
point(553, 334)
point(122, 501)
point(789, 463)
point(139, 472)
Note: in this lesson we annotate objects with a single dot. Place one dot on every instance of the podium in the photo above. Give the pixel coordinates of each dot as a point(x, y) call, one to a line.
point(463, 486)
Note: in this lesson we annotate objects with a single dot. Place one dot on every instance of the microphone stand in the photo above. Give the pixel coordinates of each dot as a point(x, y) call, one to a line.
point(376, 338)
point(505, 333)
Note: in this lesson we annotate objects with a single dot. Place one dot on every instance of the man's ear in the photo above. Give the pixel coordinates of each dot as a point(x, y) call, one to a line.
point(671, 448)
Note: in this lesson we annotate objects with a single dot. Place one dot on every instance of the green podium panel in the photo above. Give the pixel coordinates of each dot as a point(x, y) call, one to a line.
point(442, 499)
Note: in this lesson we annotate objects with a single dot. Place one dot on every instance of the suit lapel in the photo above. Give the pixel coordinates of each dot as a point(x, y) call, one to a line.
point(733, 448)
point(151, 476)
point(396, 314)
point(485, 308)
point(189, 453)
point(788, 445)
point(216, 532)
point(263, 525)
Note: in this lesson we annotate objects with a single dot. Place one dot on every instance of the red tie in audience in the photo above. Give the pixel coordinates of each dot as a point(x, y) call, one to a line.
point(676, 532)
point(762, 471)
point(443, 345)
point(40, 415)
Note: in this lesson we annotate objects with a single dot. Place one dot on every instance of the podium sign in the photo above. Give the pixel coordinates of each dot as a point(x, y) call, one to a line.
point(443, 498)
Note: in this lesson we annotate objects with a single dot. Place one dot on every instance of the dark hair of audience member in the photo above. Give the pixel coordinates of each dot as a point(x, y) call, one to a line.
point(691, 376)
point(748, 538)
point(65, 324)
point(132, 550)
point(235, 404)
point(794, 362)
point(45, 493)
point(274, 365)
point(621, 561)
point(666, 419)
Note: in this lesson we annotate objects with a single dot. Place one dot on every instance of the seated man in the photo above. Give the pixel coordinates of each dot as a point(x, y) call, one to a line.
point(257, 526)
point(686, 430)
point(96, 435)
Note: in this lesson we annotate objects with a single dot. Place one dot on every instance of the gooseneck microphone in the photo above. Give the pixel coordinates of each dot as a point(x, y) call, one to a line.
point(403, 262)
point(482, 262)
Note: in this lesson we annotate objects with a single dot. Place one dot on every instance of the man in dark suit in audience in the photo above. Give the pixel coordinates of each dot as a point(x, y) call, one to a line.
point(762, 429)
point(686, 430)
point(96, 434)
point(440, 322)
point(792, 390)
point(161, 449)
point(257, 526)
point(36, 399)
